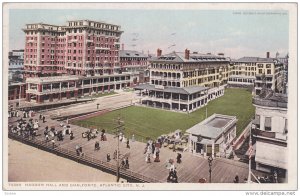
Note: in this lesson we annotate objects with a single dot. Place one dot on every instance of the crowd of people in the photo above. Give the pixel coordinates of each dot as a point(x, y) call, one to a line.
point(29, 127)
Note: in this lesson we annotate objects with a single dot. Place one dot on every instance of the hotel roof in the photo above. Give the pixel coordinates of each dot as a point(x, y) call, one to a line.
point(255, 60)
point(179, 57)
point(185, 90)
point(132, 54)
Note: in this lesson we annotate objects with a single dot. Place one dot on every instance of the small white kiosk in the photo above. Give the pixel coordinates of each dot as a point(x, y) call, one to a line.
point(213, 136)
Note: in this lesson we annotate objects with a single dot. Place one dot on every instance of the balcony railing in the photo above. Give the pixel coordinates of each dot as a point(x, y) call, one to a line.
point(269, 103)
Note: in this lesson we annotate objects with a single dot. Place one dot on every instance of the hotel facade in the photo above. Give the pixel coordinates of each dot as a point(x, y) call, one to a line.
point(63, 62)
point(183, 81)
point(256, 72)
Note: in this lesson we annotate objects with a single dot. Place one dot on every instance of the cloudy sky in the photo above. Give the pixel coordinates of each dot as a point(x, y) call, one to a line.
point(236, 35)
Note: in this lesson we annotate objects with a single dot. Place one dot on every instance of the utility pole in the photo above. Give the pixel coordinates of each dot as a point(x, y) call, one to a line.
point(118, 128)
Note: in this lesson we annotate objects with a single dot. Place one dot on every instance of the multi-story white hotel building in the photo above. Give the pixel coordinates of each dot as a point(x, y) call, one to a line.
point(89, 50)
point(184, 81)
point(270, 131)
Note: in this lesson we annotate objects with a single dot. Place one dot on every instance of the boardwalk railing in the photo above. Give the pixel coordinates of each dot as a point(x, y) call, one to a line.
point(91, 161)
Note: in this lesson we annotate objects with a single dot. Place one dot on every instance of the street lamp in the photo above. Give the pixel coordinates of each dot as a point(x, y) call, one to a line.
point(210, 159)
point(119, 128)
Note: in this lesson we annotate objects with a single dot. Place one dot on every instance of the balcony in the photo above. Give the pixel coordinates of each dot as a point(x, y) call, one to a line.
point(102, 48)
point(269, 103)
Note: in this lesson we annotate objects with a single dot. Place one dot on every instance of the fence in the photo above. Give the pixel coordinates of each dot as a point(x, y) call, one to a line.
point(85, 159)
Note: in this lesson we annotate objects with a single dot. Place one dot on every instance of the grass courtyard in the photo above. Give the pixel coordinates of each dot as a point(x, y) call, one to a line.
point(147, 122)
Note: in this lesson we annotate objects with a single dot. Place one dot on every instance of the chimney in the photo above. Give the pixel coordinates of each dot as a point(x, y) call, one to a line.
point(122, 46)
point(187, 54)
point(159, 51)
point(268, 54)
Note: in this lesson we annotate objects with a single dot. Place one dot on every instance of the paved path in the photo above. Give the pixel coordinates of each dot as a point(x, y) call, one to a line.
point(190, 170)
point(107, 102)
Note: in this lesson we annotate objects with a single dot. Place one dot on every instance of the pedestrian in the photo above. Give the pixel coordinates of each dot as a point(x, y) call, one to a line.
point(236, 179)
point(152, 147)
point(157, 155)
point(127, 163)
point(44, 119)
point(53, 143)
point(127, 144)
point(148, 160)
point(115, 154)
point(71, 136)
point(179, 158)
point(123, 163)
point(275, 177)
point(77, 150)
point(97, 145)
point(81, 151)
point(108, 157)
point(47, 137)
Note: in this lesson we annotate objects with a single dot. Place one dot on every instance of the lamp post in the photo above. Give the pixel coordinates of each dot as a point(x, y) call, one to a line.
point(210, 159)
point(119, 128)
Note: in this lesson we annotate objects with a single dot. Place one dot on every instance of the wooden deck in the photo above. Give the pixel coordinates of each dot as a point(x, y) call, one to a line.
point(190, 170)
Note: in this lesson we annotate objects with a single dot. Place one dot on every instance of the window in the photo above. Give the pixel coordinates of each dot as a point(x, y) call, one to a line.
point(268, 121)
point(269, 71)
point(260, 71)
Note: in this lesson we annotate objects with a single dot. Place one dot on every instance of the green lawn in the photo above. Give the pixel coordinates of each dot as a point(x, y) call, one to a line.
point(147, 122)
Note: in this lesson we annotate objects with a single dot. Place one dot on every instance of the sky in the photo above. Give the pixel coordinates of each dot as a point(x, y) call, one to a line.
point(236, 35)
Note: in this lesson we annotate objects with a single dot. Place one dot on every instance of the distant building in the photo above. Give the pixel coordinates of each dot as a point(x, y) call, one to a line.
point(270, 131)
point(15, 65)
point(258, 72)
point(213, 136)
point(184, 81)
point(16, 93)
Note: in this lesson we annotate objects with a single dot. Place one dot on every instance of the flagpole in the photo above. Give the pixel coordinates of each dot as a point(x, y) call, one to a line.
point(250, 153)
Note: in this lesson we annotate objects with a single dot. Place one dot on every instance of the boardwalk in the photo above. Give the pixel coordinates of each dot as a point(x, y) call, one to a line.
point(190, 170)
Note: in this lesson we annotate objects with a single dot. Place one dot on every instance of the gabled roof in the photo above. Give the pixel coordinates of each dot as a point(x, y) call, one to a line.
point(179, 57)
point(254, 60)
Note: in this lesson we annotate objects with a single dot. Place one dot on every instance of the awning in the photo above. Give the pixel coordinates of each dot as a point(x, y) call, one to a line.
point(267, 121)
point(271, 154)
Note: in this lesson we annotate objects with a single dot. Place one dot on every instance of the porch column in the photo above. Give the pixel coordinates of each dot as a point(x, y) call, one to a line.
point(16, 93)
point(171, 102)
point(51, 97)
point(179, 102)
point(51, 86)
point(188, 103)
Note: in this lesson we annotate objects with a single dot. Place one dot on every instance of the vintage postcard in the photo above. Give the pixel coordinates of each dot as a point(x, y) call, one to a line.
point(150, 96)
